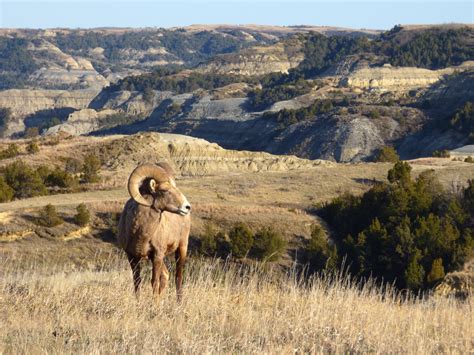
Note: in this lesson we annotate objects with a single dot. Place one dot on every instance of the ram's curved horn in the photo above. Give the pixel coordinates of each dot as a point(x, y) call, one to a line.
point(167, 168)
point(142, 172)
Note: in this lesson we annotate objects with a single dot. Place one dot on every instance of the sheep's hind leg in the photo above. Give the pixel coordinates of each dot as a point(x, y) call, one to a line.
point(135, 265)
point(164, 277)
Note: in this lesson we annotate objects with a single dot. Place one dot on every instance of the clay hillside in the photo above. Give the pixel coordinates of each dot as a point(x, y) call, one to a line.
point(321, 93)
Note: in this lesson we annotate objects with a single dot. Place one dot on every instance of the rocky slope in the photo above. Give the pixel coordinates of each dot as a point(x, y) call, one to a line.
point(398, 79)
point(372, 103)
point(79, 59)
point(24, 105)
point(344, 134)
point(189, 156)
point(257, 60)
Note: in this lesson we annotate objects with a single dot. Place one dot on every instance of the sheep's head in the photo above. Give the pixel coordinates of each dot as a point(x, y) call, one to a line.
point(154, 186)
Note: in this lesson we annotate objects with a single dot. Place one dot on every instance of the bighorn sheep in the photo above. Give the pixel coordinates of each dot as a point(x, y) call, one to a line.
point(154, 223)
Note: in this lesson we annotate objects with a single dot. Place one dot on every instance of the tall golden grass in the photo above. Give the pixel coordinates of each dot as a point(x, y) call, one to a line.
point(226, 309)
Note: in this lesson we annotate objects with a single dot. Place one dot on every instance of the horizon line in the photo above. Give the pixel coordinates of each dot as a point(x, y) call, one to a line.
point(239, 25)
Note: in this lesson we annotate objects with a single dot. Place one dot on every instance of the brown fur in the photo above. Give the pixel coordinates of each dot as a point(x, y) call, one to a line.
point(155, 232)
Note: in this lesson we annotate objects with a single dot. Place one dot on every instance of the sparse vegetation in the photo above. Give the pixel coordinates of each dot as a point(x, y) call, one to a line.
point(288, 117)
point(387, 154)
point(208, 240)
point(24, 181)
point(28, 182)
point(10, 152)
point(90, 169)
point(171, 110)
point(463, 119)
point(73, 165)
point(32, 147)
point(5, 117)
point(49, 217)
point(176, 83)
point(261, 99)
point(59, 178)
point(49, 122)
point(444, 153)
point(374, 114)
point(117, 119)
point(191, 48)
point(268, 245)
point(436, 273)
point(32, 132)
point(469, 159)
point(6, 192)
point(241, 240)
point(15, 58)
point(82, 217)
point(320, 255)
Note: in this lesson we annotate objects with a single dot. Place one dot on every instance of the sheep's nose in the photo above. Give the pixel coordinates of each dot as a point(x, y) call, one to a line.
point(188, 207)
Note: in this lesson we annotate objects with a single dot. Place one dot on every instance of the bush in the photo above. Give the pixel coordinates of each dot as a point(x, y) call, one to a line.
point(73, 165)
point(469, 159)
point(320, 255)
point(82, 217)
point(11, 152)
point(400, 173)
point(25, 181)
point(5, 118)
point(32, 147)
point(32, 132)
point(387, 154)
point(90, 169)
point(59, 178)
point(397, 232)
point(374, 114)
point(49, 217)
point(437, 271)
point(287, 117)
point(241, 240)
point(6, 192)
point(463, 120)
point(208, 241)
point(444, 153)
point(268, 245)
point(260, 99)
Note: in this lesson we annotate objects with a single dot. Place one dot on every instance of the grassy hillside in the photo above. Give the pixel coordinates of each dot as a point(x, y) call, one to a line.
point(226, 309)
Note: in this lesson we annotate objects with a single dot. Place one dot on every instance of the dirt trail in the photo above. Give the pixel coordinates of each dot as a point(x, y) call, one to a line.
point(65, 199)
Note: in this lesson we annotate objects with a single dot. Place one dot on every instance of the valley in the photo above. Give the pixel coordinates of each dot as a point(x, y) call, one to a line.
point(330, 172)
point(253, 96)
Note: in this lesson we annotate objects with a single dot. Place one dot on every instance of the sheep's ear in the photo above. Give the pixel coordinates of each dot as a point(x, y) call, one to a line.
point(152, 185)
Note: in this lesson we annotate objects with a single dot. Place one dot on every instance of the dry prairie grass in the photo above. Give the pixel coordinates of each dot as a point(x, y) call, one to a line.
point(226, 309)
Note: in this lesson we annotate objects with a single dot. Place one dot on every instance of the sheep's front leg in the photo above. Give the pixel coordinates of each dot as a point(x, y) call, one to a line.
point(158, 282)
point(180, 257)
point(135, 265)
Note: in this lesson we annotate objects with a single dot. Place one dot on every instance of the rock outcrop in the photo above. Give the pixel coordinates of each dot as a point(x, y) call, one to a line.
point(193, 156)
point(23, 103)
point(81, 122)
point(397, 79)
point(257, 60)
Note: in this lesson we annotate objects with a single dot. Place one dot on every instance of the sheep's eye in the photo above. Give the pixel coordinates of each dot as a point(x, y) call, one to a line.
point(163, 191)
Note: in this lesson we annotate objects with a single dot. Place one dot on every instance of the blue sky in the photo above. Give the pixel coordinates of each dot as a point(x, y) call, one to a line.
point(382, 14)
